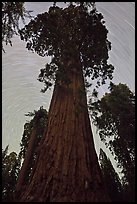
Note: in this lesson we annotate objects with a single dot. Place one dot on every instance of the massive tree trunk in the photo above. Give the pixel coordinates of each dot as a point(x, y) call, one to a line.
point(67, 168)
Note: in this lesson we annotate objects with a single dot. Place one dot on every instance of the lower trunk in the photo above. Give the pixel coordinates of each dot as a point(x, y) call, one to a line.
point(27, 160)
point(67, 168)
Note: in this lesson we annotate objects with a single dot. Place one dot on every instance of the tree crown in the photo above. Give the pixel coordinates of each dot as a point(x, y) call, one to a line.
point(66, 34)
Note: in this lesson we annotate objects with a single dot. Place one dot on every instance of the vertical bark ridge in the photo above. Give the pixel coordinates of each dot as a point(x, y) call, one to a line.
point(67, 169)
point(28, 157)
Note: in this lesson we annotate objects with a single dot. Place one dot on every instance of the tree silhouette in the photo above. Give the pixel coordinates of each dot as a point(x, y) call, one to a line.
point(10, 169)
point(67, 167)
point(114, 115)
point(111, 178)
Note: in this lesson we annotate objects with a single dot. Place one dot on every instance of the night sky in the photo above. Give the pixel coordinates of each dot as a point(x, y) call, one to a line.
point(20, 69)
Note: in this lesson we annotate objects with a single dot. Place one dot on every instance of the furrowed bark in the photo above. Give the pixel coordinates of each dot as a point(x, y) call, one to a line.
point(67, 168)
point(26, 161)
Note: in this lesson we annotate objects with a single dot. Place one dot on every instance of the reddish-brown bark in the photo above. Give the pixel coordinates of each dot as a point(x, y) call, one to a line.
point(67, 168)
point(28, 157)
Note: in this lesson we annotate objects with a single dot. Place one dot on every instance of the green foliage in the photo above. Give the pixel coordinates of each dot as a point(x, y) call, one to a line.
point(12, 12)
point(40, 119)
point(111, 178)
point(114, 116)
point(85, 4)
point(11, 164)
point(67, 34)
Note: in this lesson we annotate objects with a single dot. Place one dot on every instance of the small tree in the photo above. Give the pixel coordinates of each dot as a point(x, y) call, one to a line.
point(10, 169)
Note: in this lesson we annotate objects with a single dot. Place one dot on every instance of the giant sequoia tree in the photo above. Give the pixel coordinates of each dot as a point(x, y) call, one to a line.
point(30, 143)
point(11, 163)
point(67, 167)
